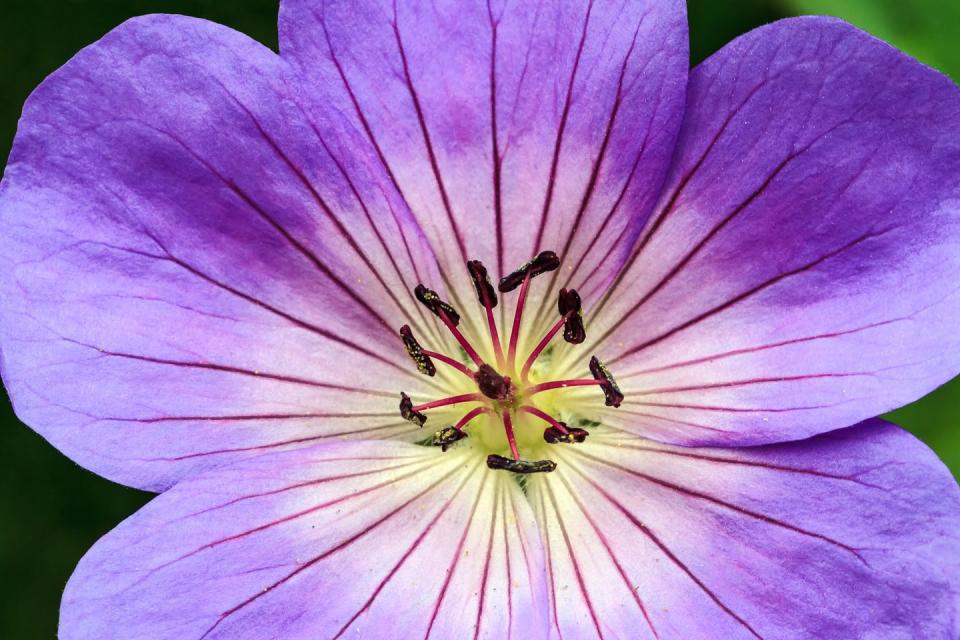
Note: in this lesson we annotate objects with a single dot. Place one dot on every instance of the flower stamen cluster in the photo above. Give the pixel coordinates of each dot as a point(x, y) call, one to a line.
point(501, 391)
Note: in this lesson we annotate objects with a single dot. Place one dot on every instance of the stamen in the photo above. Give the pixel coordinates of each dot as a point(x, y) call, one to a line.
point(558, 431)
point(448, 316)
point(432, 301)
point(544, 262)
point(571, 321)
point(520, 466)
point(485, 291)
point(407, 412)
point(568, 303)
point(611, 390)
point(532, 410)
point(492, 384)
point(488, 298)
point(424, 364)
point(447, 437)
point(540, 347)
point(459, 366)
point(470, 416)
point(515, 334)
point(466, 397)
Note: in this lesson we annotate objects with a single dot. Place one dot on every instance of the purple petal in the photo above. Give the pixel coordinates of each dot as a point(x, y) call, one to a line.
point(188, 275)
point(852, 534)
point(509, 128)
point(342, 540)
point(801, 273)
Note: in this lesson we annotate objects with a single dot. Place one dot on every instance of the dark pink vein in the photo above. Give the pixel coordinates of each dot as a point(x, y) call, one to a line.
point(599, 159)
point(756, 349)
point(328, 553)
point(739, 462)
point(747, 294)
point(669, 207)
point(573, 560)
point(454, 562)
point(428, 142)
point(301, 248)
point(744, 383)
point(486, 565)
point(684, 423)
point(410, 550)
point(495, 141)
point(506, 557)
point(286, 443)
point(646, 531)
point(303, 324)
point(312, 482)
point(708, 407)
point(561, 129)
point(231, 369)
point(693, 493)
point(609, 549)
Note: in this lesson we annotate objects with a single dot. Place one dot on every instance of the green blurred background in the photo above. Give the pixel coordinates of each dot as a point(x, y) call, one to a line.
point(51, 510)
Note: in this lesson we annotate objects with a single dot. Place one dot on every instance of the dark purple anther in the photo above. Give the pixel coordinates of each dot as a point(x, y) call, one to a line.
point(447, 437)
point(424, 363)
point(520, 466)
point(553, 435)
point(486, 294)
point(407, 412)
point(544, 262)
point(569, 303)
point(432, 301)
point(611, 391)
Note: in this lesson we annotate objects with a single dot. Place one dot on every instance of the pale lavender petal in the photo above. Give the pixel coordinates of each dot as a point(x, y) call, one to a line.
point(851, 534)
point(802, 272)
point(508, 126)
point(190, 271)
point(342, 540)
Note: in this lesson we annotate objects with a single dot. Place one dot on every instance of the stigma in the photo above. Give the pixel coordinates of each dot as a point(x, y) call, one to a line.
point(501, 389)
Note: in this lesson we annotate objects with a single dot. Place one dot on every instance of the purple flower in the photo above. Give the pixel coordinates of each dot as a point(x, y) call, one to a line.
point(211, 258)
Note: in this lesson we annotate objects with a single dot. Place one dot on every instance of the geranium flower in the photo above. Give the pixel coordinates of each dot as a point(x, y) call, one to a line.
point(643, 319)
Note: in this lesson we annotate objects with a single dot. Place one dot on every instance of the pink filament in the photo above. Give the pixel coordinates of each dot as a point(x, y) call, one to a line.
point(560, 384)
point(515, 334)
point(545, 417)
point(459, 366)
point(470, 416)
point(541, 346)
point(508, 427)
point(467, 397)
point(463, 341)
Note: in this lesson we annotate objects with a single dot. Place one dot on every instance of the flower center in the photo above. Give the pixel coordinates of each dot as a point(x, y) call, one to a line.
point(502, 390)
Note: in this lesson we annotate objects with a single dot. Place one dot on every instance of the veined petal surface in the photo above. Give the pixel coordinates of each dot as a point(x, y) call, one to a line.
point(851, 534)
point(340, 540)
point(802, 272)
point(190, 256)
point(509, 127)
